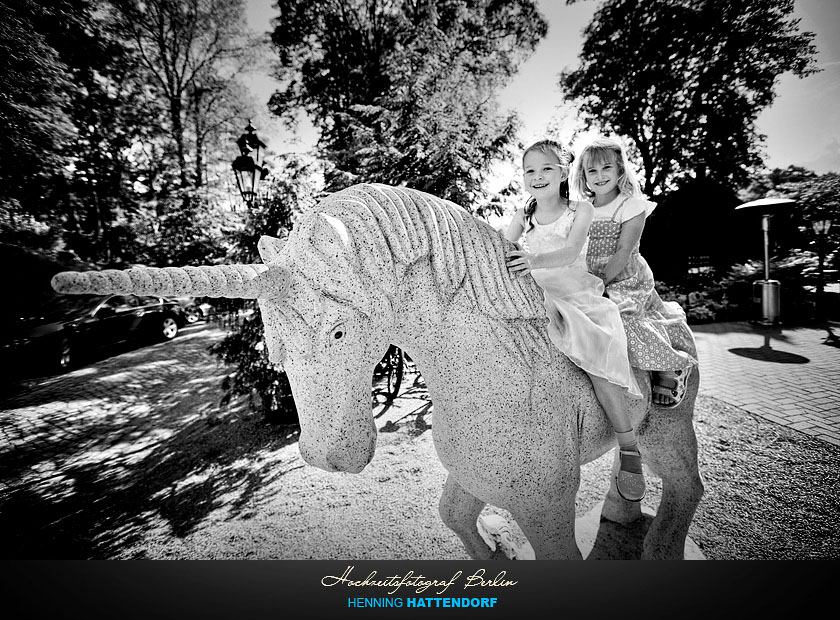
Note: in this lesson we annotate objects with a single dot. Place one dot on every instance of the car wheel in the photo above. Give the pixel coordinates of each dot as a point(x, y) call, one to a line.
point(192, 314)
point(66, 355)
point(169, 328)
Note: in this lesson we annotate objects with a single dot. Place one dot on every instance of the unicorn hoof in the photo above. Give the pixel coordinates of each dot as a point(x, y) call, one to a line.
point(495, 532)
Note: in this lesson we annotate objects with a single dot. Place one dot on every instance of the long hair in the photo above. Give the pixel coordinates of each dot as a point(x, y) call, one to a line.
point(565, 157)
point(605, 150)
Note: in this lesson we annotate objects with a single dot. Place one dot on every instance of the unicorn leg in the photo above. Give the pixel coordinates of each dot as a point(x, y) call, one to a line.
point(551, 531)
point(672, 449)
point(459, 511)
point(682, 488)
point(549, 525)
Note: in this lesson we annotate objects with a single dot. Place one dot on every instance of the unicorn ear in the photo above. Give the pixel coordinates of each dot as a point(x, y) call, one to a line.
point(339, 227)
point(274, 283)
point(269, 248)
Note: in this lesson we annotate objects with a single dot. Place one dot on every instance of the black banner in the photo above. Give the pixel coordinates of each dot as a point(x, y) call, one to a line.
point(347, 589)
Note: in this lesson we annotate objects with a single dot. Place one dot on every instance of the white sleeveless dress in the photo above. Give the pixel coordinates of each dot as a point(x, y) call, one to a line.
point(583, 324)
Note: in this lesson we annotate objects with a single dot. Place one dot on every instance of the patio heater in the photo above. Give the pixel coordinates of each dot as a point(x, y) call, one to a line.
point(767, 290)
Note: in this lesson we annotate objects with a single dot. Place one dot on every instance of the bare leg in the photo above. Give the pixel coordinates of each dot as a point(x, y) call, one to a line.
point(613, 401)
point(630, 480)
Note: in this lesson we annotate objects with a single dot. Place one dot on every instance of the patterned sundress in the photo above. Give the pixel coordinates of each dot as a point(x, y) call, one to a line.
point(583, 324)
point(658, 335)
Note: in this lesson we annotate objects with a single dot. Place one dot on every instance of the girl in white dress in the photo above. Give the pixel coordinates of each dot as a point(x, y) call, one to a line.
point(583, 324)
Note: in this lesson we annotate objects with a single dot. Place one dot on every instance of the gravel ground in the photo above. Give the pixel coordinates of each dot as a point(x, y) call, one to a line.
point(230, 486)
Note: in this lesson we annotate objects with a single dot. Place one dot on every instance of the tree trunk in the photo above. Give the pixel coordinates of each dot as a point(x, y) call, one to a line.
point(178, 133)
point(199, 138)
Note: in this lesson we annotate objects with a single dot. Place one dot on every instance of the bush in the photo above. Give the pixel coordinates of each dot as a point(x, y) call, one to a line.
point(255, 374)
point(713, 297)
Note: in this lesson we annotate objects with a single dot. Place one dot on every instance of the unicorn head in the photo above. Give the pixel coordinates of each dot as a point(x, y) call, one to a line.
point(321, 325)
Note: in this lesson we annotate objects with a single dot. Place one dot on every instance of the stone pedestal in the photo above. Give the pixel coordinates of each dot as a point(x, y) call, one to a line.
point(606, 540)
point(597, 539)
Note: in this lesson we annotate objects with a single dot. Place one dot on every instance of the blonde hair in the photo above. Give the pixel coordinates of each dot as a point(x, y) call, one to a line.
point(603, 150)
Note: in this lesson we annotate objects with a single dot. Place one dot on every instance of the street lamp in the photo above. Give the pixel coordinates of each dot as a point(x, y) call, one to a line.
point(770, 289)
point(248, 167)
point(821, 227)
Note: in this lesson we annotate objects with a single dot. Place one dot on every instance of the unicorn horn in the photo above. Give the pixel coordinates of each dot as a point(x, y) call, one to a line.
point(236, 281)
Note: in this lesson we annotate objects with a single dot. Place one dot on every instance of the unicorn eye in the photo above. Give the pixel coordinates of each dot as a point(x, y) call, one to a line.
point(338, 332)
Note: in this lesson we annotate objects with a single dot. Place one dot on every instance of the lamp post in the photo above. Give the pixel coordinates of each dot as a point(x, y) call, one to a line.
point(248, 167)
point(821, 227)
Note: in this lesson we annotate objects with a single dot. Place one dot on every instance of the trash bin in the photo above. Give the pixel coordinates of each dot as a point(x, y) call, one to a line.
point(766, 292)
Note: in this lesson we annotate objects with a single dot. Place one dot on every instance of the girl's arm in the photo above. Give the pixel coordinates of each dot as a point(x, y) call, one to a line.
point(516, 227)
point(524, 262)
point(631, 233)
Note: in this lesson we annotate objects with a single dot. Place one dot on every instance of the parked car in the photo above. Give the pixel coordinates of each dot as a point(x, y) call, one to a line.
point(72, 325)
point(194, 309)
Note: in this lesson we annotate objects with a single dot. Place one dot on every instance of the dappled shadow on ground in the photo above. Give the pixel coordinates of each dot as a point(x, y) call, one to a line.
point(94, 509)
point(140, 444)
point(831, 339)
point(414, 407)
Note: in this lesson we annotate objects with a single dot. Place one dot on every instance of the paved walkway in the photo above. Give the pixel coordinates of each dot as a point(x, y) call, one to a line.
point(788, 375)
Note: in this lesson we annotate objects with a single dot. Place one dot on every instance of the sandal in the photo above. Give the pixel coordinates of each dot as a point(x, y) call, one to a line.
point(676, 392)
point(630, 480)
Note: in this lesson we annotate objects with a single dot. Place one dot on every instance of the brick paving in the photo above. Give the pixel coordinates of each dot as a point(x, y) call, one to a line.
point(787, 375)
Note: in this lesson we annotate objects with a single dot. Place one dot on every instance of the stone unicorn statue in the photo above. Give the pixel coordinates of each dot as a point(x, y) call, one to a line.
point(374, 265)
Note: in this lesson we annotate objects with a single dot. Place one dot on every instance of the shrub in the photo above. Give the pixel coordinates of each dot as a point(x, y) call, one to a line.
point(254, 374)
point(714, 297)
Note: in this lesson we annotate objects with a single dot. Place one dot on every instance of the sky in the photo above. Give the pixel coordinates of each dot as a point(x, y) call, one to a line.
point(802, 125)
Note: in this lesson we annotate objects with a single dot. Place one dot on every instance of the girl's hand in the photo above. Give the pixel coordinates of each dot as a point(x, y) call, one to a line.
point(520, 263)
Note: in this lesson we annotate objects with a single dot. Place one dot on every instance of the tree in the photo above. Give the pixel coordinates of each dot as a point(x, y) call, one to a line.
point(34, 119)
point(192, 50)
point(403, 92)
point(685, 80)
point(113, 110)
point(70, 156)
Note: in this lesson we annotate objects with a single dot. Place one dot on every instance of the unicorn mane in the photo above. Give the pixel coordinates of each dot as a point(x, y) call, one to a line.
point(394, 228)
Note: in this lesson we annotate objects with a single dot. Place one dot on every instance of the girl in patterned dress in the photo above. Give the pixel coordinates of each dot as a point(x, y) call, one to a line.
point(658, 335)
point(583, 324)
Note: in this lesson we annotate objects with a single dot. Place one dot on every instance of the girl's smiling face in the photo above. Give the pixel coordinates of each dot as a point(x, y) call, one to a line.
point(602, 177)
point(542, 174)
